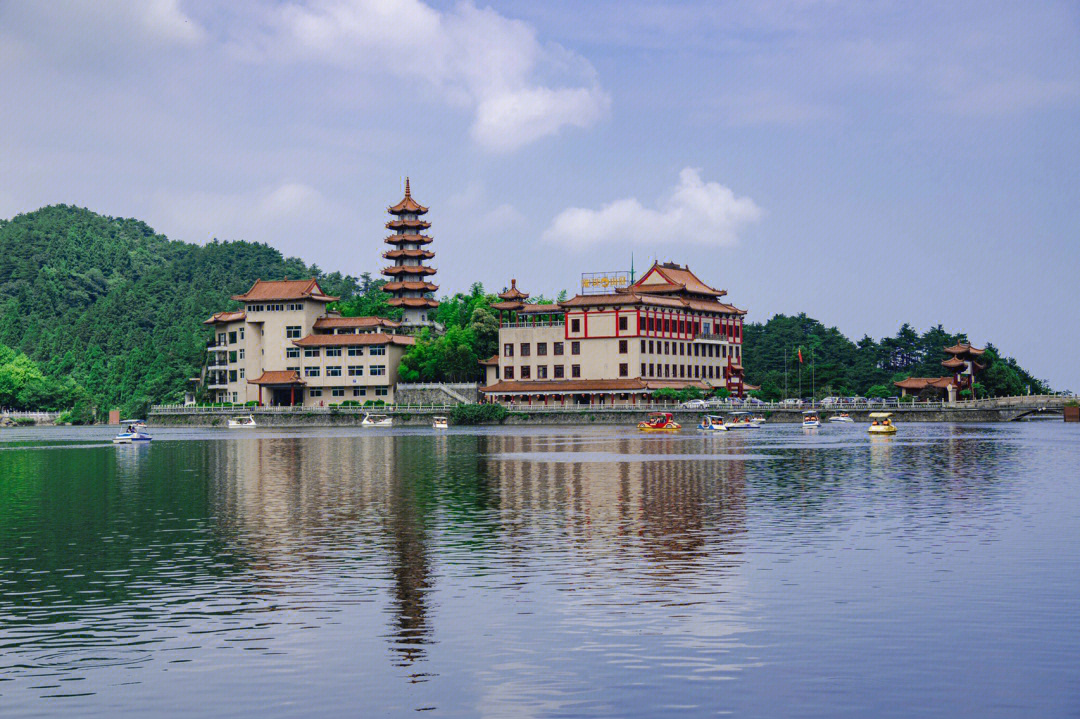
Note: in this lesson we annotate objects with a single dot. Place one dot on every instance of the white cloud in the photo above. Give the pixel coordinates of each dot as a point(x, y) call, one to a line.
point(473, 57)
point(695, 212)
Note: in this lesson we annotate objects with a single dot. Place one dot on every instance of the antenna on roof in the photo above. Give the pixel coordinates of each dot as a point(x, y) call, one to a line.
point(631, 268)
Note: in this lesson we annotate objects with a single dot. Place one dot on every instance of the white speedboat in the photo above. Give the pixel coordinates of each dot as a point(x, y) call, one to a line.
point(742, 420)
point(376, 420)
point(132, 436)
point(842, 417)
point(440, 423)
point(810, 420)
point(138, 425)
point(239, 422)
point(712, 423)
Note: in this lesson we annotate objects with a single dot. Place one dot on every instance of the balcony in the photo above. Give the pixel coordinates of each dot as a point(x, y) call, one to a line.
point(713, 338)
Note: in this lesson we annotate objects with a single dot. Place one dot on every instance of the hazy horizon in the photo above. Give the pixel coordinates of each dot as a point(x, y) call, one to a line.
point(866, 165)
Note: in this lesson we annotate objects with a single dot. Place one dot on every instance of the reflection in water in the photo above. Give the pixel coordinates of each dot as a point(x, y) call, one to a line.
point(535, 572)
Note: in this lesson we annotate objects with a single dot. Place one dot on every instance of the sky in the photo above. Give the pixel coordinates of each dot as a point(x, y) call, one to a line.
point(866, 163)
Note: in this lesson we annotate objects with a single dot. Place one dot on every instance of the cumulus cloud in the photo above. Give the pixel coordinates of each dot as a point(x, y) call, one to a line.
point(519, 89)
point(695, 212)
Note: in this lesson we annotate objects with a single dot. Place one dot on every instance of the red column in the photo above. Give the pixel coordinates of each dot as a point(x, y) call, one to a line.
point(292, 395)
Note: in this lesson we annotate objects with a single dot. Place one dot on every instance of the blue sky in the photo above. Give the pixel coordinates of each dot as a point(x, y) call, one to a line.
point(867, 163)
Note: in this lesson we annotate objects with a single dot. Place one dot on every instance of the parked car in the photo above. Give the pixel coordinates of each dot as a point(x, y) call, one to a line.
point(791, 402)
point(831, 400)
point(873, 401)
point(755, 402)
point(695, 404)
point(858, 400)
point(717, 403)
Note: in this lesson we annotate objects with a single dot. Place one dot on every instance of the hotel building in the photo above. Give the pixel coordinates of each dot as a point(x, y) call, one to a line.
point(667, 330)
point(285, 348)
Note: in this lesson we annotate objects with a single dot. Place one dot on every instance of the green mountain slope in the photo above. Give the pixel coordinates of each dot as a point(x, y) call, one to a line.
point(118, 307)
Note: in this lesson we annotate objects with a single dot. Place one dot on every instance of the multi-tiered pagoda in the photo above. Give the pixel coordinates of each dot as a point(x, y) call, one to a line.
point(962, 362)
point(409, 275)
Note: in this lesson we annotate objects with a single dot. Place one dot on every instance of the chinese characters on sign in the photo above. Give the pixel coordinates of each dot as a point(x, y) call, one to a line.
point(595, 283)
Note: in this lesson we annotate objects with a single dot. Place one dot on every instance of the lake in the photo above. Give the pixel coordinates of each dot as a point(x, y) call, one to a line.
point(542, 572)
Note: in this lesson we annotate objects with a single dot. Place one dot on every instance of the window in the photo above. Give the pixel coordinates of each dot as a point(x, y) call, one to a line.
point(292, 333)
point(234, 397)
point(311, 351)
point(624, 370)
point(697, 372)
point(667, 348)
point(292, 352)
point(241, 333)
point(221, 338)
point(575, 370)
point(652, 325)
point(575, 325)
point(682, 370)
point(641, 324)
point(337, 392)
point(623, 347)
point(508, 350)
point(311, 371)
point(333, 371)
point(525, 351)
point(541, 372)
point(651, 347)
point(682, 348)
point(381, 391)
point(723, 350)
point(232, 338)
point(241, 354)
point(378, 350)
point(575, 348)
point(643, 346)
point(241, 373)
point(378, 370)
point(643, 369)
point(314, 393)
point(526, 372)
point(356, 370)
point(296, 307)
point(652, 370)
point(293, 369)
point(667, 370)
point(359, 391)
point(624, 323)
point(560, 371)
point(333, 351)
point(356, 351)
point(508, 372)
point(541, 349)
point(232, 375)
point(232, 357)
point(557, 349)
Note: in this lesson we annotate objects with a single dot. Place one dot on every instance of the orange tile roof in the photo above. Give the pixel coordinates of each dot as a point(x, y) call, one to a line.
point(678, 276)
point(408, 204)
point(403, 224)
point(263, 291)
point(409, 270)
point(412, 302)
point(394, 254)
point(408, 237)
point(506, 306)
point(924, 382)
point(223, 317)
point(324, 323)
point(963, 348)
point(278, 377)
point(370, 338)
point(492, 360)
point(513, 293)
point(954, 363)
point(631, 298)
point(410, 285)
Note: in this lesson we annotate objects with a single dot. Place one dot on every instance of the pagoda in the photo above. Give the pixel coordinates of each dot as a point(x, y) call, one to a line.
point(409, 275)
point(512, 299)
point(962, 362)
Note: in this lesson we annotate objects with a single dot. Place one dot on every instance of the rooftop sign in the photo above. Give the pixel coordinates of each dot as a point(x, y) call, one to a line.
point(598, 283)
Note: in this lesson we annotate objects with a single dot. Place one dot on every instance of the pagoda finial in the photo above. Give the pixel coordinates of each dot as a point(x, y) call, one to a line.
point(407, 193)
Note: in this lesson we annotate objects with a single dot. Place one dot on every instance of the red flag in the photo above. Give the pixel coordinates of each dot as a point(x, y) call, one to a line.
point(800, 355)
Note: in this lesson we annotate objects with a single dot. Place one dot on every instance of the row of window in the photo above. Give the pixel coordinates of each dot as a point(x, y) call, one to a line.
point(680, 371)
point(356, 392)
point(231, 337)
point(541, 349)
point(373, 351)
point(667, 347)
point(678, 325)
point(557, 371)
point(376, 370)
point(292, 307)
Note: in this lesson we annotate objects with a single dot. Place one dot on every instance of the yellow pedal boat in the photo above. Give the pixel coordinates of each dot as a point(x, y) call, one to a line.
point(881, 424)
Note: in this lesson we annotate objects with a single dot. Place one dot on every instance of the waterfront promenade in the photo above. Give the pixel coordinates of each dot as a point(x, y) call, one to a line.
point(1005, 409)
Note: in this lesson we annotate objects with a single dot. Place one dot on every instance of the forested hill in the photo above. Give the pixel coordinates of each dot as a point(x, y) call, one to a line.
point(118, 307)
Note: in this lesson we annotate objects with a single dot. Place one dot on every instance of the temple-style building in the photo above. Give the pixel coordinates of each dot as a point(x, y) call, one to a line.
point(962, 362)
point(667, 330)
point(409, 275)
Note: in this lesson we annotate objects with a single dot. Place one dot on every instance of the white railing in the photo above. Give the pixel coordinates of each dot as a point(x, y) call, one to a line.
point(23, 414)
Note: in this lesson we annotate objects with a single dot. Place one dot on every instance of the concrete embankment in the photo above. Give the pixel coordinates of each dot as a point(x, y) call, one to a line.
point(522, 416)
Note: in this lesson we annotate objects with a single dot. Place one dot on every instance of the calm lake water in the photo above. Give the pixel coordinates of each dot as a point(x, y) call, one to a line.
point(543, 572)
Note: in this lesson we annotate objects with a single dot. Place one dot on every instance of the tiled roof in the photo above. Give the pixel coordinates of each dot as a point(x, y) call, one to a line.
point(648, 300)
point(408, 204)
point(408, 237)
point(325, 323)
point(222, 317)
point(278, 377)
point(513, 293)
point(964, 348)
point(412, 302)
point(677, 276)
point(954, 363)
point(421, 254)
point(371, 338)
point(413, 224)
point(264, 291)
point(492, 360)
point(410, 285)
point(409, 270)
point(924, 382)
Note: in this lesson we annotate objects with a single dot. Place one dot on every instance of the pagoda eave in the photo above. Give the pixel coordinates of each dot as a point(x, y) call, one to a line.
point(416, 286)
point(412, 302)
point(420, 270)
point(408, 239)
point(407, 224)
point(394, 254)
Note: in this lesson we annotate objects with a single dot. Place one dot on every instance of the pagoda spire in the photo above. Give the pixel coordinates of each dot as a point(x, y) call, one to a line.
point(409, 284)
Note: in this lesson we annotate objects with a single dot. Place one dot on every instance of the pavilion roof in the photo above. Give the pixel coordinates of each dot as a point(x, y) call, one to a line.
point(325, 323)
point(964, 348)
point(371, 338)
point(676, 278)
point(264, 291)
point(513, 293)
point(924, 382)
point(277, 377)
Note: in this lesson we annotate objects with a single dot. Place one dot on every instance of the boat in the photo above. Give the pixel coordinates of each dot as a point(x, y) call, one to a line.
point(139, 425)
point(133, 435)
point(440, 423)
point(842, 417)
point(376, 420)
point(248, 421)
point(810, 419)
point(711, 423)
point(758, 419)
point(881, 424)
point(743, 420)
point(659, 422)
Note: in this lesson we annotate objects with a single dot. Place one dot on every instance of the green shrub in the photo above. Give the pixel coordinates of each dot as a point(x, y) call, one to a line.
point(907, 399)
point(478, 414)
point(374, 403)
point(24, 421)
